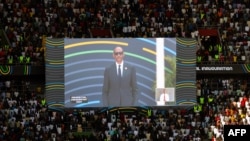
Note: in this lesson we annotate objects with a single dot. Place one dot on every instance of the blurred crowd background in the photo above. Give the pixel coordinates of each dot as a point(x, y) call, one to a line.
point(221, 28)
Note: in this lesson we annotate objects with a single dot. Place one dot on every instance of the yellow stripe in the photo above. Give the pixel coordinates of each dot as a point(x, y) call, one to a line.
point(193, 84)
point(54, 86)
point(56, 105)
point(55, 63)
point(149, 50)
point(54, 60)
point(180, 59)
point(94, 43)
point(185, 62)
point(6, 72)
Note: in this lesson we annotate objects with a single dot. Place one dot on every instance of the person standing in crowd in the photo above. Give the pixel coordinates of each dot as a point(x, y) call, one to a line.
point(120, 83)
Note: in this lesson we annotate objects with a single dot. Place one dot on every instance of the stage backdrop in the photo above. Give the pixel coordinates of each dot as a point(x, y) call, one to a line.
point(75, 67)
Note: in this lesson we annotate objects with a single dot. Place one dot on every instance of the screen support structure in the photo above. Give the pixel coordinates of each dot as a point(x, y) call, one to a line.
point(160, 72)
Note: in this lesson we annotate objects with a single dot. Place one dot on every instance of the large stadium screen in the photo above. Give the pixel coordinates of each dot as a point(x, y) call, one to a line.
point(154, 61)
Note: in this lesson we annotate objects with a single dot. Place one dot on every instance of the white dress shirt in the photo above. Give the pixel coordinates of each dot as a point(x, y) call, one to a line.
point(117, 67)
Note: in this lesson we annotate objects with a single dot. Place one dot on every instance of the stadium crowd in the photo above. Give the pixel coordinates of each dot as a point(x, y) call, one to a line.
point(27, 22)
point(25, 116)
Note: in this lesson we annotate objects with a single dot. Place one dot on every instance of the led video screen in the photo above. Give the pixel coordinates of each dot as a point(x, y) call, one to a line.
point(88, 62)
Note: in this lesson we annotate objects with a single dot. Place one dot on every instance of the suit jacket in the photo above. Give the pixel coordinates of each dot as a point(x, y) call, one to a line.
point(119, 91)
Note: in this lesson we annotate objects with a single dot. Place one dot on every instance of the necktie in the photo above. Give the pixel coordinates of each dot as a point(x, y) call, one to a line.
point(119, 71)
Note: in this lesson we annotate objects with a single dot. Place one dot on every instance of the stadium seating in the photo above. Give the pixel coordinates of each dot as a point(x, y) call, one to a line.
point(220, 27)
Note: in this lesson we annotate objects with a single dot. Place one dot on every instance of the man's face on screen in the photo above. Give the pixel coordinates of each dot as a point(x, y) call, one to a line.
point(118, 54)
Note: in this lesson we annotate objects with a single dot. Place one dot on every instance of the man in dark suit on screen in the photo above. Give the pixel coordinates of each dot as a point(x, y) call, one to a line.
point(120, 84)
